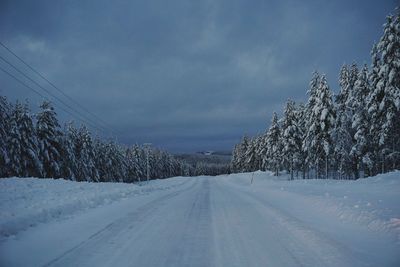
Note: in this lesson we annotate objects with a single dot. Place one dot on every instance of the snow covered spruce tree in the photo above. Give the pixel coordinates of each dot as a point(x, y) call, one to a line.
point(85, 156)
point(302, 121)
point(22, 144)
point(140, 156)
point(321, 123)
point(152, 162)
point(109, 161)
point(258, 141)
point(309, 113)
point(371, 104)
point(342, 132)
point(262, 150)
point(291, 139)
point(353, 76)
point(360, 126)
point(384, 99)
point(102, 161)
point(238, 158)
point(134, 170)
point(274, 146)
point(5, 120)
point(69, 163)
point(117, 168)
point(49, 138)
point(156, 162)
point(252, 158)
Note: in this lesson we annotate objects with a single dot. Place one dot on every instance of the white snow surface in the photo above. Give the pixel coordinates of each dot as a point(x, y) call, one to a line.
point(201, 221)
point(26, 202)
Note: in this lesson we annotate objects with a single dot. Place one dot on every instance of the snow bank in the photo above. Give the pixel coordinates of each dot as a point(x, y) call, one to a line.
point(372, 203)
point(25, 202)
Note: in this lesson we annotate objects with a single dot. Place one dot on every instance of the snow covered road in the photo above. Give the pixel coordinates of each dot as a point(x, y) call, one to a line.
point(207, 221)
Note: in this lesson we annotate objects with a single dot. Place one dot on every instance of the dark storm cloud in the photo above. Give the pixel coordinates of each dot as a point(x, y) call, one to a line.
point(187, 75)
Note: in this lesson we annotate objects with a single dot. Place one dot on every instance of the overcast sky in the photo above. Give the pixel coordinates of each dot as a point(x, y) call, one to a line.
point(186, 75)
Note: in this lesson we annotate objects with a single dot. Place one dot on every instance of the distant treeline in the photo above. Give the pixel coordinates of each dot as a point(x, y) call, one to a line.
point(36, 146)
point(214, 164)
point(356, 133)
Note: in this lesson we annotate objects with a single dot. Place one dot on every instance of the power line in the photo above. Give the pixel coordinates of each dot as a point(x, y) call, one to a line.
point(60, 100)
point(38, 93)
point(55, 87)
point(11, 75)
point(47, 91)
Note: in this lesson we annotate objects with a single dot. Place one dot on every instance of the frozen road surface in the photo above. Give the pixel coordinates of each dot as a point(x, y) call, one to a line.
point(217, 221)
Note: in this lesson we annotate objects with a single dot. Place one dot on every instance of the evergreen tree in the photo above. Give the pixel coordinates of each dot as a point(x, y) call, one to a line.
point(373, 75)
point(49, 137)
point(131, 165)
point(102, 160)
point(5, 119)
point(291, 138)
point(235, 159)
point(342, 134)
point(140, 158)
point(372, 104)
point(85, 156)
point(302, 122)
point(360, 125)
point(22, 143)
point(353, 76)
point(384, 100)
point(258, 151)
point(110, 161)
point(345, 85)
point(262, 150)
point(321, 124)
point(251, 157)
point(274, 146)
point(239, 155)
point(309, 118)
point(69, 163)
point(119, 163)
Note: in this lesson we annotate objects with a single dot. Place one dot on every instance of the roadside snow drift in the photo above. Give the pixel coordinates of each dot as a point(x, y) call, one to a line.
point(373, 203)
point(25, 202)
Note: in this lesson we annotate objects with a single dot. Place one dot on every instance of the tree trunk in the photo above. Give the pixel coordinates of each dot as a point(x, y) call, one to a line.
point(291, 170)
point(326, 167)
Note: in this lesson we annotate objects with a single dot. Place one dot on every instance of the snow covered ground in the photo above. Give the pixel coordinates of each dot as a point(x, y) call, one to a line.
point(26, 202)
point(201, 221)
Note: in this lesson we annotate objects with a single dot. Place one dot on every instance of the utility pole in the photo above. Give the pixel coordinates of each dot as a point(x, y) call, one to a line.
point(147, 147)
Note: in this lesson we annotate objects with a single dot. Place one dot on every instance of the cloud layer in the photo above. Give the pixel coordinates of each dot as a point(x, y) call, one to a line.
point(187, 75)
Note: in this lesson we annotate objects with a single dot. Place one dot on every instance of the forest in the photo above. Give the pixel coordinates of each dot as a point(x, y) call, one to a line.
point(353, 134)
point(35, 145)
